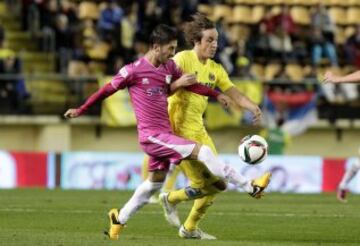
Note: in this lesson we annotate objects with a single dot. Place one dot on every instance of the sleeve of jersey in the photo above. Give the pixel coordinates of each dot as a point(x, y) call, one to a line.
point(119, 81)
point(202, 90)
point(123, 78)
point(223, 80)
point(104, 92)
point(175, 70)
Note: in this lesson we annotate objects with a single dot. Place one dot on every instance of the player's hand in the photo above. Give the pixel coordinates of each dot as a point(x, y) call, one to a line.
point(224, 100)
point(257, 115)
point(329, 77)
point(72, 113)
point(186, 80)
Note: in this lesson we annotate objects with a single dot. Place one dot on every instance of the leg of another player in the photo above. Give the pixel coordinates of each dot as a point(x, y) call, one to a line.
point(204, 154)
point(142, 194)
point(118, 218)
point(190, 227)
point(348, 176)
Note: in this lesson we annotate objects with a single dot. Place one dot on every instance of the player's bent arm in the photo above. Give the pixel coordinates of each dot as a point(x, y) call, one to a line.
point(244, 102)
point(104, 92)
point(206, 91)
point(350, 78)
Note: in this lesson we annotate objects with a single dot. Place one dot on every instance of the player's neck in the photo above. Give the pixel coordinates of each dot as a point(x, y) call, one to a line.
point(201, 58)
point(152, 59)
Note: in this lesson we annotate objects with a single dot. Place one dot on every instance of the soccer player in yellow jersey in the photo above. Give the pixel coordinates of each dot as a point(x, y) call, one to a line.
point(186, 115)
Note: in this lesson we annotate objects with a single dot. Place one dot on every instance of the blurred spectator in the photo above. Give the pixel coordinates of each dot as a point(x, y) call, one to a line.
point(281, 45)
point(352, 48)
point(64, 42)
point(69, 9)
point(12, 89)
point(285, 21)
point(109, 20)
point(322, 36)
point(258, 44)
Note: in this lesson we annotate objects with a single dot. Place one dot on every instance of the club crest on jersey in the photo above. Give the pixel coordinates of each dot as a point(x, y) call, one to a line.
point(145, 81)
point(211, 77)
point(168, 78)
point(123, 72)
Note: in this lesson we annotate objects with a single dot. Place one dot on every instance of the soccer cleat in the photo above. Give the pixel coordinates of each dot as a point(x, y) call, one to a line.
point(154, 199)
point(341, 195)
point(259, 185)
point(196, 234)
point(170, 211)
point(115, 226)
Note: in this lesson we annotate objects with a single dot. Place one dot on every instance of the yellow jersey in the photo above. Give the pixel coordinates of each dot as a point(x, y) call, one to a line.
point(186, 109)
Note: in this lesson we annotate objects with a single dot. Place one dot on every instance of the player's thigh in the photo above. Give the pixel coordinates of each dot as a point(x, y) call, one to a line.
point(168, 147)
point(198, 174)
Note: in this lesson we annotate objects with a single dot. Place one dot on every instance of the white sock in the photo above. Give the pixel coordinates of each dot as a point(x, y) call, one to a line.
point(140, 197)
point(349, 175)
point(220, 169)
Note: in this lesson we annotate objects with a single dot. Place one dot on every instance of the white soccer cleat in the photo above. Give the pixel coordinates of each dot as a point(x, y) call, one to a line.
point(196, 234)
point(154, 199)
point(170, 211)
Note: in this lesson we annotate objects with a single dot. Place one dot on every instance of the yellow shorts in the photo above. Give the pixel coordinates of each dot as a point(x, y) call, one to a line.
point(196, 171)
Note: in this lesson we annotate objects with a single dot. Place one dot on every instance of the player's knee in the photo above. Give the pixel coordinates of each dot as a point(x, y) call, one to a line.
point(193, 193)
point(220, 185)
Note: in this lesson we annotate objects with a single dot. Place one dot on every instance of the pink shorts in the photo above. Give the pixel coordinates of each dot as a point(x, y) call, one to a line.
point(165, 149)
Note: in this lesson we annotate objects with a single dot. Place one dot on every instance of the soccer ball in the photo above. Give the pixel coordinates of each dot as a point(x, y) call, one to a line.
point(253, 149)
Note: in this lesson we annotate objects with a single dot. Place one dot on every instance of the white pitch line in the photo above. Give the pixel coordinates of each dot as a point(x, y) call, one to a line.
point(83, 211)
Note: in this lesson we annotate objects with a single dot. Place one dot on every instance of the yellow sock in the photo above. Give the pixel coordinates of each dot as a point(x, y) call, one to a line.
point(171, 179)
point(198, 212)
point(177, 196)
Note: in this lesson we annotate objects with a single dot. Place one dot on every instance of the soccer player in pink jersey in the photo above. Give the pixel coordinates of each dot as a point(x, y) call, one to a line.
point(351, 172)
point(149, 81)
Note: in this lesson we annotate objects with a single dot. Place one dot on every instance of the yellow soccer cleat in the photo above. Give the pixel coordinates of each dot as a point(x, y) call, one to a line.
point(259, 185)
point(115, 226)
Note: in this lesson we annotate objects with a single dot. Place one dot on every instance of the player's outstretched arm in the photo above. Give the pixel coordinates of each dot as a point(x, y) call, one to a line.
point(244, 102)
point(354, 77)
point(101, 94)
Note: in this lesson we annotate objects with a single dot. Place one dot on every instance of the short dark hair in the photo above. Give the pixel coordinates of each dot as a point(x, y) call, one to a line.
point(193, 29)
point(163, 34)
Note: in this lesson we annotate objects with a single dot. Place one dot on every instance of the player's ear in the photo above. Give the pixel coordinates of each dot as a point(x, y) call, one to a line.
point(156, 47)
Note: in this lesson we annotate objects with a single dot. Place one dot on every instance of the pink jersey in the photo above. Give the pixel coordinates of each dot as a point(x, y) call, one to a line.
point(148, 88)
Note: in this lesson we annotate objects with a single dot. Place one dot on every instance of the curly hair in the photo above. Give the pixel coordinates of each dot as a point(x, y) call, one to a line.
point(193, 29)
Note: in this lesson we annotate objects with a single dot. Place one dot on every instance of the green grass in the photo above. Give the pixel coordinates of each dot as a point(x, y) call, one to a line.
point(61, 218)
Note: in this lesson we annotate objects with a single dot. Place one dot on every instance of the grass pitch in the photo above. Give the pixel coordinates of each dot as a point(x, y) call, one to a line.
point(61, 218)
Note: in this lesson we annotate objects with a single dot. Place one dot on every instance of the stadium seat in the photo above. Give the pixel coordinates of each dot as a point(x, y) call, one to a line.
point(338, 14)
point(222, 11)
point(349, 30)
point(77, 68)
point(353, 3)
point(257, 13)
point(271, 69)
point(353, 15)
point(300, 15)
point(242, 14)
point(99, 51)
point(340, 36)
point(97, 68)
point(258, 70)
point(206, 9)
point(239, 32)
point(88, 10)
point(295, 72)
point(343, 3)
